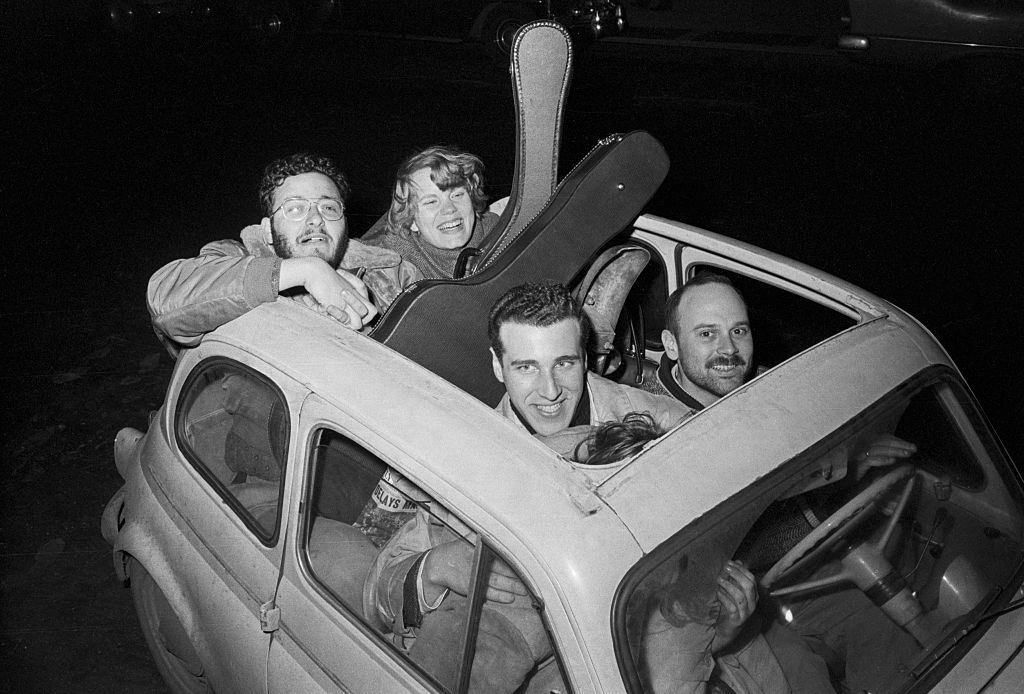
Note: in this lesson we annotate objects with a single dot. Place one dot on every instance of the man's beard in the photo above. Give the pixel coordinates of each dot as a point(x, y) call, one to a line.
point(284, 248)
point(705, 378)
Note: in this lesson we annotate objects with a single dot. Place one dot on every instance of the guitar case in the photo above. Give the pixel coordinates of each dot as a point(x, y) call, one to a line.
point(545, 234)
point(442, 324)
point(541, 68)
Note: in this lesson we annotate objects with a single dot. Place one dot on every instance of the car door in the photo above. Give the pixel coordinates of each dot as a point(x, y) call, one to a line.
point(794, 25)
point(231, 425)
point(322, 643)
point(350, 500)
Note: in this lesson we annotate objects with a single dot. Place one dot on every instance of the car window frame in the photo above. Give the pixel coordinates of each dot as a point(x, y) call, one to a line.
point(268, 540)
point(678, 264)
point(773, 486)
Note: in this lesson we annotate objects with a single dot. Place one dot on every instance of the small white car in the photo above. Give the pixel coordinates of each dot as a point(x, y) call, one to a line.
point(240, 525)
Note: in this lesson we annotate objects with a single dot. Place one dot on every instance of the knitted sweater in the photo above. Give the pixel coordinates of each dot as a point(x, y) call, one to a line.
point(433, 262)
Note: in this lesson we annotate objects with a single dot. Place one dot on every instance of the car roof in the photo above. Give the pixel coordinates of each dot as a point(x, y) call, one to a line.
point(489, 463)
point(457, 448)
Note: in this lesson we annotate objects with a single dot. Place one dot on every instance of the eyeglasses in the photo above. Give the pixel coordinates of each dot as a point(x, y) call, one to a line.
point(296, 209)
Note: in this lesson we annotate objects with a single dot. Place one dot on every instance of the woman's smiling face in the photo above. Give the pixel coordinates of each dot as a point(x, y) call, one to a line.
point(445, 218)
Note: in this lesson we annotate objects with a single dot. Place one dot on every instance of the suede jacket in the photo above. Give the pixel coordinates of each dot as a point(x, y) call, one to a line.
point(190, 297)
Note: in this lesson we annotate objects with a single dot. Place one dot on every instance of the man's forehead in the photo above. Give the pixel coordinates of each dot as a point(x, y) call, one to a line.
point(525, 341)
point(711, 304)
point(312, 185)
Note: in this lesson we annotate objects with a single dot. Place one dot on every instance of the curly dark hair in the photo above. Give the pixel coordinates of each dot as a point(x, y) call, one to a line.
point(612, 441)
point(535, 304)
point(276, 171)
point(449, 167)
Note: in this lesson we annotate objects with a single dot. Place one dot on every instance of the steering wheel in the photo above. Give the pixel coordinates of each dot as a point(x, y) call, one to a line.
point(864, 565)
point(836, 527)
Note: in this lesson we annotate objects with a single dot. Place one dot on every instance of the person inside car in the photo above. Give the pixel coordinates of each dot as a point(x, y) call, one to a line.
point(611, 442)
point(538, 335)
point(709, 347)
point(709, 352)
point(438, 207)
point(681, 644)
point(301, 248)
point(607, 442)
point(418, 583)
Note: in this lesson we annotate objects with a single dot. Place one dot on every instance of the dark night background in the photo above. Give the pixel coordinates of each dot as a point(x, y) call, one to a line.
point(905, 182)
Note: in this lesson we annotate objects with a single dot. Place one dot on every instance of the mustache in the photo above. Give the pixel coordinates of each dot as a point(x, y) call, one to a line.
point(734, 360)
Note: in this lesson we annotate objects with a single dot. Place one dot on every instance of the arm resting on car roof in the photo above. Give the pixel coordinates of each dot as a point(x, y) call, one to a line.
point(188, 298)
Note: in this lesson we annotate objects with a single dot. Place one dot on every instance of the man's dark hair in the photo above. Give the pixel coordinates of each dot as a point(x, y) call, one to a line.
point(539, 305)
point(276, 171)
point(612, 441)
point(704, 277)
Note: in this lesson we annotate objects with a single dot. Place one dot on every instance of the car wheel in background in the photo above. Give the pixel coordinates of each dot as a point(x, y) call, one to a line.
point(498, 24)
point(175, 657)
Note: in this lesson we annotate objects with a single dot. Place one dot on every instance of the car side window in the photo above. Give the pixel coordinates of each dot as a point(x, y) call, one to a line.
point(783, 323)
point(648, 299)
point(369, 530)
point(232, 423)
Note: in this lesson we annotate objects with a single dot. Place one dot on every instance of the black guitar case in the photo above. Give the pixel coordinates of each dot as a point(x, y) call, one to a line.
point(442, 324)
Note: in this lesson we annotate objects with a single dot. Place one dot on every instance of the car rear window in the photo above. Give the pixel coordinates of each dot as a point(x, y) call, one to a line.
point(233, 425)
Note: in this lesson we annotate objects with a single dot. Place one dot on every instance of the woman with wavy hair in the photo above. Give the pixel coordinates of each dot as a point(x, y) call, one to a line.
point(438, 207)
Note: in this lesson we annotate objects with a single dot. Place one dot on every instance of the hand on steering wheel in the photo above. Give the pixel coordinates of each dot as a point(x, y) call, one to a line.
point(836, 527)
point(864, 565)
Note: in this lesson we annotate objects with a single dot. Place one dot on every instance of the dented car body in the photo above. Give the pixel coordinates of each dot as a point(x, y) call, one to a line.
point(238, 525)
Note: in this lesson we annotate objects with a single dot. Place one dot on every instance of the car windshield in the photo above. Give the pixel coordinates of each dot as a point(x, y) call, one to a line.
point(871, 568)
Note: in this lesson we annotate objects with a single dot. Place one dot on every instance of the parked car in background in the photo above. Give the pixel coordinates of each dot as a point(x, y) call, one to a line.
point(493, 23)
point(239, 524)
point(891, 32)
point(933, 29)
point(489, 21)
point(131, 20)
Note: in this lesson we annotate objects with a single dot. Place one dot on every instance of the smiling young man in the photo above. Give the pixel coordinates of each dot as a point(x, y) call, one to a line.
point(301, 249)
point(538, 335)
point(418, 584)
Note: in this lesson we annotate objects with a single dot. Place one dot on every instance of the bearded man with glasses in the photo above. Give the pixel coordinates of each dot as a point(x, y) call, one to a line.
point(300, 249)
